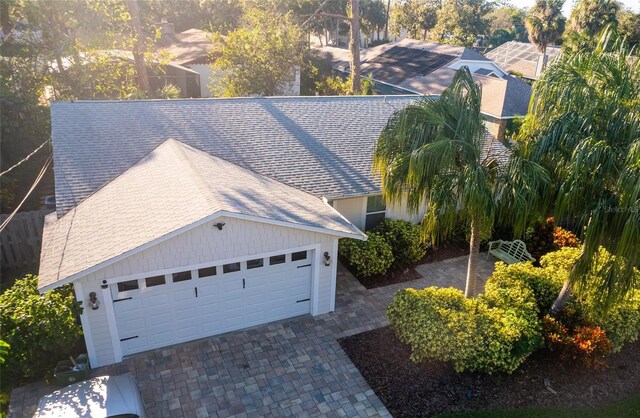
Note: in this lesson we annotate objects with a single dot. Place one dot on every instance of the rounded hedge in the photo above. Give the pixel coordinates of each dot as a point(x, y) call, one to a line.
point(367, 258)
point(404, 239)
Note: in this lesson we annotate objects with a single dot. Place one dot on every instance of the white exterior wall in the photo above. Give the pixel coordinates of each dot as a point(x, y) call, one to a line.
point(198, 248)
point(206, 75)
point(353, 208)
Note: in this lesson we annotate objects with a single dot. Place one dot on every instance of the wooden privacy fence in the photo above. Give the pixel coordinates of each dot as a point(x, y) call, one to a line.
point(21, 240)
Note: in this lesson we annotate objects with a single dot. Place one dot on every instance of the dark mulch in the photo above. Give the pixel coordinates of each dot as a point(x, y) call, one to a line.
point(411, 390)
point(444, 252)
point(392, 276)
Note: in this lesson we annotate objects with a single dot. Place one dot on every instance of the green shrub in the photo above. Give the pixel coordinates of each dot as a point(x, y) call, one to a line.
point(40, 329)
point(367, 258)
point(404, 239)
point(473, 334)
point(539, 238)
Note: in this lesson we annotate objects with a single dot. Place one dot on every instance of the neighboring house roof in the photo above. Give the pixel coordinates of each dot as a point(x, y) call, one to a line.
point(321, 145)
point(189, 47)
point(172, 188)
point(424, 68)
point(521, 57)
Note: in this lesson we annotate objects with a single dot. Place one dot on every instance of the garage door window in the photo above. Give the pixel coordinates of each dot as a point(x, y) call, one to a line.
point(300, 255)
point(253, 264)
point(182, 276)
point(207, 272)
point(128, 285)
point(277, 259)
point(154, 281)
point(230, 268)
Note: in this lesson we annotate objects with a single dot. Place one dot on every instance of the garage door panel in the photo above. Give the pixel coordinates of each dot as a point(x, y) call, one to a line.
point(174, 312)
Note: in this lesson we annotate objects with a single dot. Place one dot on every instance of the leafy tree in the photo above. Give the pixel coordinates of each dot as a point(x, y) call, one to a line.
point(337, 86)
point(583, 126)
point(214, 15)
point(40, 329)
point(416, 16)
point(506, 24)
point(461, 21)
point(588, 18)
point(430, 154)
point(373, 16)
point(545, 23)
point(629, 26)
point(260, 56)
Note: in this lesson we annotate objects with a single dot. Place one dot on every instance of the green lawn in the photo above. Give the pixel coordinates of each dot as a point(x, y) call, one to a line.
point(624, 409)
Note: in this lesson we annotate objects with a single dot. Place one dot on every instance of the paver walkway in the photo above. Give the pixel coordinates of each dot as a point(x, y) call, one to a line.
point(289, 368)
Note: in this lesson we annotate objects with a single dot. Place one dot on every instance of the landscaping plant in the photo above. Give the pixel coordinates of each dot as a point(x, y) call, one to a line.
point(367, 258)
point(539, 238)
point(404, 239)
point(565, 238)
point(39, 328)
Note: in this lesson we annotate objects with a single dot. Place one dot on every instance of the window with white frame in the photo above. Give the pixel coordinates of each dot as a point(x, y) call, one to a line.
point(376, 209)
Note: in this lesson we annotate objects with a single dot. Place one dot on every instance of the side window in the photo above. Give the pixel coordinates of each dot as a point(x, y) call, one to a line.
point(376, 210)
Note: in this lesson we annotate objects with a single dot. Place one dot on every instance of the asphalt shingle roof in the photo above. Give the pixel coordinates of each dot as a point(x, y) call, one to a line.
point(322, 145)
point(172, 187)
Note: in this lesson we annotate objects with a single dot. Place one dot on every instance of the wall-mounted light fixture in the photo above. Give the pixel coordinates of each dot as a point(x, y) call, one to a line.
point(327, 259)
point(104, 285)
point(219, 225)
point(93, 301)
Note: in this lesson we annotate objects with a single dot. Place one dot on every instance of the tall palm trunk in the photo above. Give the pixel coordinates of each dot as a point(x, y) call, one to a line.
point(354, 47)
point(474, 253)
point(138, 46)
point(562, 299)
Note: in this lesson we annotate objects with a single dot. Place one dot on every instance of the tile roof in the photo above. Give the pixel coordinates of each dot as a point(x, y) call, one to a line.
point(520, 56)
point(172, 187)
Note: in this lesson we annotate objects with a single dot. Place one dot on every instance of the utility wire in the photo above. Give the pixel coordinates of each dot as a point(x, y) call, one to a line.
point(35, 183)
point(24, 159)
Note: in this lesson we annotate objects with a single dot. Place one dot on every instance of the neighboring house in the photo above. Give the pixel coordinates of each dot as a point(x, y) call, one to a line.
point(419, 67)
point(183, 219)
point(522, 58)
point(191, 50)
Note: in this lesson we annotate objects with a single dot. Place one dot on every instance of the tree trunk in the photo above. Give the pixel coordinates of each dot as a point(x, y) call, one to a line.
point(563, 298)
point(138, 46)
point(474, 253)
point(354, 47)
point(337, 32)
point(386, 24)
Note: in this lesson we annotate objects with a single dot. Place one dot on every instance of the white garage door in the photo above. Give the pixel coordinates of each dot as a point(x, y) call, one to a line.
point(167, 309)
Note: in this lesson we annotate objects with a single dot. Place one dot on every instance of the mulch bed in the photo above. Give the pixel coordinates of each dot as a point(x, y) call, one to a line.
point(443, 252)
point(422, 390)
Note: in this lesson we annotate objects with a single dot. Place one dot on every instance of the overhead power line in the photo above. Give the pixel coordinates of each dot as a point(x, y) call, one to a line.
point(25, 158)
point(33, 186)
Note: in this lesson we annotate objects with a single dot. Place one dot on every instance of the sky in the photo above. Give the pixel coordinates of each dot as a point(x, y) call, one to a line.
point(568, 5)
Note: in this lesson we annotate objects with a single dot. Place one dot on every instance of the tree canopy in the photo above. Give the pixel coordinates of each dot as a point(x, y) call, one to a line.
point(545, 23)
point(588, 18)
point(461, 21)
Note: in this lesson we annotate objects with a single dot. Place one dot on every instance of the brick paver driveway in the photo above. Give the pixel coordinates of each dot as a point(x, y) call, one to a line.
point(289, 368)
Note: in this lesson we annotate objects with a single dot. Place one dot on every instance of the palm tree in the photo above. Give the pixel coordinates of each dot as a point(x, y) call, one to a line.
point(585, 127)
point(431, 155)
point(545, 24)
point(588, 19)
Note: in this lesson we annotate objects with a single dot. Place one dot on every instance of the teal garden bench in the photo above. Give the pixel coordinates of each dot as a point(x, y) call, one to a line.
point(509, 251)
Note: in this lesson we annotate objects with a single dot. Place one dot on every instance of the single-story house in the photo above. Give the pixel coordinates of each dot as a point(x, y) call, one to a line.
point(181, 219)
point(523, 58)
point(411, 66)
point(192, 51)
